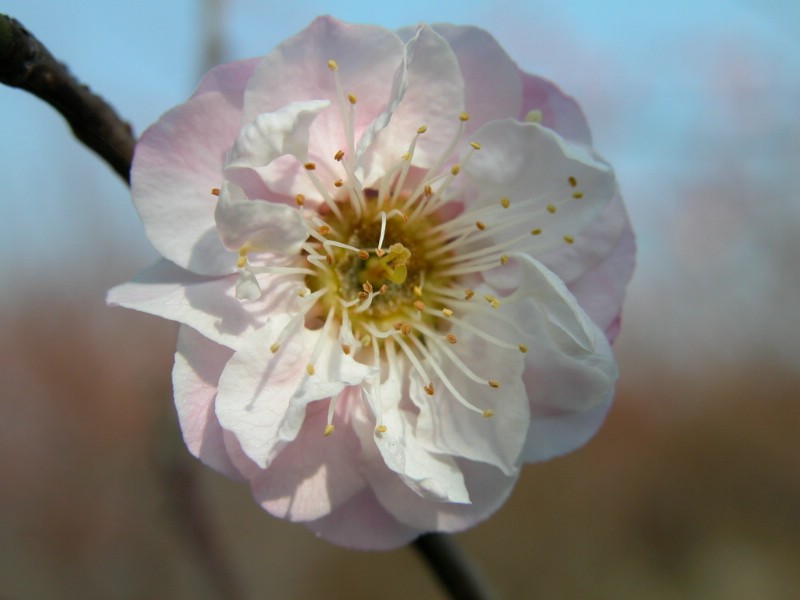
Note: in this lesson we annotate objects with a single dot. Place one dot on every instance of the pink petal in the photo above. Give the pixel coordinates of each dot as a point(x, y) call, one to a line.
point(560, 112)
point(363, 524)
point(493, 89)
point(176, 164)
point(315, 474)
point(229, 79)
point(198, 365)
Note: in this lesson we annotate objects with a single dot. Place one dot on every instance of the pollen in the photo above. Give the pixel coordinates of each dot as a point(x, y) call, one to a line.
point(551, 208)
point(310, 369)
point(346, 348)
point(422, 129)
point(536, 231)
point(572, 181)
point(569, 239)
point(275, 347)
point(455, 169)
point(215, 191)
point(363, 254)
point(577, 195)
point(324, 229)
point(468, 294)
point(338, 183)
point(505, 202)
point(300, 199)
point(428, 191)
point(241, 261)
point(333, 65)
point(487, 414)
point(480, 225)
point(383, 289)
point(429, 389)
point(339, 155)
point(352, 98)
point(475, 145)
point(504, 259)
point(493, 383)
point(329, 429)
point(452, 339)
point(419, 305)
point(447, 312)
point(310, 166)
point(381, 429)
point(417, 291)
point(523, 348)
point(464, 116)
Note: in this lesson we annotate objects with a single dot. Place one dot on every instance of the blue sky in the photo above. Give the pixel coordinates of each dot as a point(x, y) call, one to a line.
point(683, 98)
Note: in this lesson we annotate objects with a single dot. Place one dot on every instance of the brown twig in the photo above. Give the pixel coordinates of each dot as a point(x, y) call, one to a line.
point(462, 579)
point(26, 63)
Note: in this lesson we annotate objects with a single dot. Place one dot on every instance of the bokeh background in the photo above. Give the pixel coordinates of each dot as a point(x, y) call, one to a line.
point(690, 491)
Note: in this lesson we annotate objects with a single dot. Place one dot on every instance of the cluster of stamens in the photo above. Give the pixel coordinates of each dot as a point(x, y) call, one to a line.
point(385, 269)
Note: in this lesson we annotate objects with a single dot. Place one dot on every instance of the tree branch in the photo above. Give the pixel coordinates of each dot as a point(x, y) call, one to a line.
point(25, 63)
point(462, 579)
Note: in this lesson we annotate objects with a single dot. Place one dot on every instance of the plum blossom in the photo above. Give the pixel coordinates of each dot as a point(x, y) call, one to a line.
point(398, 265)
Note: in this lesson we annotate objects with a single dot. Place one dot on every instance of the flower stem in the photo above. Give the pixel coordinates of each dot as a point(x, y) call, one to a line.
point(459, 576)
point(27, 64)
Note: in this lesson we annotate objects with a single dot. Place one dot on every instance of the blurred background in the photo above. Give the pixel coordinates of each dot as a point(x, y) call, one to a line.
point(690, 491)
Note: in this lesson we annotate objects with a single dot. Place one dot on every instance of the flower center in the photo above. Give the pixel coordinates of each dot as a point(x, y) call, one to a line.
point(376, 268)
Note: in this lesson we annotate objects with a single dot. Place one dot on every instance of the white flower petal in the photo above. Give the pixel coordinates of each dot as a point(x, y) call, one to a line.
point(535, 168)
point(433, 476)
point(258, 224)
point(428, 90)
point(274, 134)
point(207, 304)
point(263, 396)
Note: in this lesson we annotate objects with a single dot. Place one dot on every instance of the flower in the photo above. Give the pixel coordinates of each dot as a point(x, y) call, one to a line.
point(398, 265)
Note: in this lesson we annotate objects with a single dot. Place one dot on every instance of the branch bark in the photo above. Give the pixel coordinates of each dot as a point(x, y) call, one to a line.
point(27, 64)
point(462, 579)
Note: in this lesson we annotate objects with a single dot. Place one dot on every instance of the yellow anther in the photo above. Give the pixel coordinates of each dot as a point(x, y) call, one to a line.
point(338, 183)
point(329, 429)
point(383, 289)
point(475, 145)
point(332, 65)
point(275, 347)
point(523, 348)
point(405, 329)
point(455, 169)
point(216, 191)
point(536, 231)
point(451, 338)
point(346, 348)
point(489, 298)
point(504, 259)
point(534, 116)
point(429, 389)
point(422, 129)
point(493, 383)
point(241, 261)
point(362, 296)
point(551, 208)
point(480, 225)
point(572, 181)
point(352, 98)
point(304, 292)
point(324, 229)
point(464, 116)
point(366, 339)
point(487, 414)
point(577, 195)
point(300, 199)
point(447, 312)
point(310, 166)
point(505, 202)
point(367, 286)
point(406, 156)
point(363, 254)
point(468, 294)
point(244, 250)
point(381, 429)
point(428, 191)
point(339, 155)
point(310, 369)
point(495, 303)
point(398, 325)
point(379, 252)
point(419, 305)
point(569, 239)
point(417, 290)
